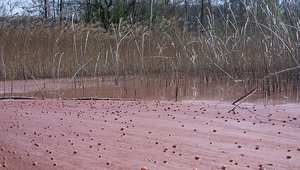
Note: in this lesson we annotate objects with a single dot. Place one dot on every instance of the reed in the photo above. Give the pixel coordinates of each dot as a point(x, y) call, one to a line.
point(239, 53)
point(4, 73)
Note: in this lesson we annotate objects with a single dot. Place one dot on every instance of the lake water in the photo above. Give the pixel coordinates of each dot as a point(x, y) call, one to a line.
point(157, 87)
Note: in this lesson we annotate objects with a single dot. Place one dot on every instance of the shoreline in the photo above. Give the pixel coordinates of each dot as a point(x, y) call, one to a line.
point(117, 134)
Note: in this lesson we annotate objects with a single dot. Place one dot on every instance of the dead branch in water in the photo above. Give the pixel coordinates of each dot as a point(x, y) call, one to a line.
point(17, 97)
point(256, 87)
point(96, 98)
point(40, 91)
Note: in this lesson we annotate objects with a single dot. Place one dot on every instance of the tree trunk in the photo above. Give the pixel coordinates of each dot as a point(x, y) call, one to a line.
point(61, 10)
point(202, 12)
point(46, 9)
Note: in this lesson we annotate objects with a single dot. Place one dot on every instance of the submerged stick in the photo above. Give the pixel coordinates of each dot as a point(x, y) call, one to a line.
point(75, 76)
point(40, 91)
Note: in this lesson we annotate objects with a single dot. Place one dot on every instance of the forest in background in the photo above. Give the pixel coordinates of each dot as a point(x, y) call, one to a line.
point(241, 40)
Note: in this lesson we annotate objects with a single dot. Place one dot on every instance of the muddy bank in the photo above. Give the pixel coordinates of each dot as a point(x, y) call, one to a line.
point(69, 134)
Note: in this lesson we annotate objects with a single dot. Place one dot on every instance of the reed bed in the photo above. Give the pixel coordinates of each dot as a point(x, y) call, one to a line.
point(243, 54)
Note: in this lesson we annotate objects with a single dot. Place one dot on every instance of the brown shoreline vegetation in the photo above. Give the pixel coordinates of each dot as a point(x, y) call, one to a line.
point(106, 134)
point(245, 48)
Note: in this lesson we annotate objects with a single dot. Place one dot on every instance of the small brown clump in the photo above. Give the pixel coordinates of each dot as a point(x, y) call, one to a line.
point(223, 167)
point(289, 157)
point(215, 130)
point(197, 157)
point(144, 168)
point(75, 152)
point(166, 149)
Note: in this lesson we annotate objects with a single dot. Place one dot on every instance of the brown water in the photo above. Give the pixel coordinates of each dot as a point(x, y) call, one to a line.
point(152, 88)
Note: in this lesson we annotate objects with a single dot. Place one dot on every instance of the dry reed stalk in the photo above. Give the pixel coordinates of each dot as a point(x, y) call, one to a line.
point(117, 53)
point(256, 87)
point(24, 76)
point(53, 68)
point(142, 56)
point(95, 72)
point(74, 57)
point(137, 45)
point(58, 67)
point(61, 96)
point(281, 39)
point(4, 72)
point(83, 56)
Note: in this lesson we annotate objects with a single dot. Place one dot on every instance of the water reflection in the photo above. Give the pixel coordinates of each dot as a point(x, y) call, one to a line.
point(162, 87)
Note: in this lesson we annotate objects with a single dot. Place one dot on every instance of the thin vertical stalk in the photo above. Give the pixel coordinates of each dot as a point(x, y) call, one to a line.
point(150, 31)
point(4, 72)
point(53, 68)
point(74, 49)
point(59, 65)
point(95, 72)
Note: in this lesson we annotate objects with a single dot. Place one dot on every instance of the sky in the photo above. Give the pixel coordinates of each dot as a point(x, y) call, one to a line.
point(7, 8)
